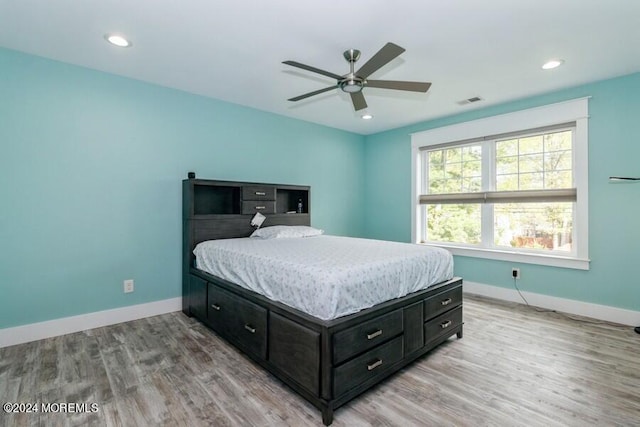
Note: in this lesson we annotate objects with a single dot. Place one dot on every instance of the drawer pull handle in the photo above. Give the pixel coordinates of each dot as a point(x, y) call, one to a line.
point(374, 334)
point(374, 365)
point(259, 208)
point(216, 307)
point(446, 301)
point(250, 328)
point(445, 325)
point(260, 193)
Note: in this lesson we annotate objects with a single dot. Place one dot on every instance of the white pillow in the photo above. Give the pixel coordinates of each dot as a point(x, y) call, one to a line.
point(286, 231)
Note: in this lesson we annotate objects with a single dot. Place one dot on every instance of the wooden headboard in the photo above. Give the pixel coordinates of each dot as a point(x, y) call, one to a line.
point(214, 210)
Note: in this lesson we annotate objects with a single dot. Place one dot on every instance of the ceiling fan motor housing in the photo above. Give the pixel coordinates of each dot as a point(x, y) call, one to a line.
point(352, 55)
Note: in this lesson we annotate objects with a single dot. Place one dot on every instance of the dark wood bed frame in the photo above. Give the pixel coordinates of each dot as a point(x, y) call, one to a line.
point(327, 362)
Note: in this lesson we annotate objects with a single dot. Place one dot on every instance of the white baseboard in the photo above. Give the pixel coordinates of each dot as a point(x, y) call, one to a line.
point(83, 322)
point(595, 311)
point(68, 325)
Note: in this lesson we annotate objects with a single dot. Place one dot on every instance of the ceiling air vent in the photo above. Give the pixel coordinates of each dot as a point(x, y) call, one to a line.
point(469, 100)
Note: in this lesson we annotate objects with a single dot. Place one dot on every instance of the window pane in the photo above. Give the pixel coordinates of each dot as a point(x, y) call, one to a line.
point(437, 186)
point(508, 164)
point(541, 161)
point(531, 145)
point(470, 185)
point(453, 155)
point(531, 181)
point(557, 141)
point(557, 160)
point(543, 226)
point(436, 173)
point(453, 186)
point(507, 148)
point(531, 163)
point(435, 158)
point(472, 152)
point(507, 182)
point(561, 179)
point(455, 170)
point(453, 223)
point(472, 168)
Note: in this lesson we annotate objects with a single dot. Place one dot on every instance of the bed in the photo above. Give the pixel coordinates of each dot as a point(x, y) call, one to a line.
point(327, 315)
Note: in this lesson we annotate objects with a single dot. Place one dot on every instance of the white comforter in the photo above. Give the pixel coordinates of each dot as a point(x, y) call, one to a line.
point(325, 276)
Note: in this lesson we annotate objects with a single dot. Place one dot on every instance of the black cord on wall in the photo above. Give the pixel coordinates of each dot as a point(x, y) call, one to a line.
point(515, 285)
point(568, 316)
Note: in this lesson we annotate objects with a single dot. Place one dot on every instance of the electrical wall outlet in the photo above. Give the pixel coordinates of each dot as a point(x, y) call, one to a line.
point(515, 273)
point(128, 286)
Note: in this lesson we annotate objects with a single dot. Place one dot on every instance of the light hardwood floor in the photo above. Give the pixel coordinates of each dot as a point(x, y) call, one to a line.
point(515, 366)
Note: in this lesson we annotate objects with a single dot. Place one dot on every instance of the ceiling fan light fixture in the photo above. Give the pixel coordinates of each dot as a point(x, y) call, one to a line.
point(117, 40)
point(367, 116)
point(351, 86)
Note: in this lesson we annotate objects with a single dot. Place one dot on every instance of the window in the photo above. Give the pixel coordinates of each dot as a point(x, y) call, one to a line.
point(510, 187)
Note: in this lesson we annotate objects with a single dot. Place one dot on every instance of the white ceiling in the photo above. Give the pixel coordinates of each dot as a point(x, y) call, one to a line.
point(233, 49)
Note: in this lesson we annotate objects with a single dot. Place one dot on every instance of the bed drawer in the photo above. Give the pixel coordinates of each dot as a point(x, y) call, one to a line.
point(258, 192)
point(442, 324)
point(366, 366)
point(362, 337)
point(442, 302)
point(253, 206)
point(242, 321)
point(295, 350)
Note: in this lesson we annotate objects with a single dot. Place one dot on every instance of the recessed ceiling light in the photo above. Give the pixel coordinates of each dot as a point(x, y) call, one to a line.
point(554, 63)
point(117, 40)
point(367, 116)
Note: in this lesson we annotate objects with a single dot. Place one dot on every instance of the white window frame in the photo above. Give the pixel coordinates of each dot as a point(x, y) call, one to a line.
point(576, 111)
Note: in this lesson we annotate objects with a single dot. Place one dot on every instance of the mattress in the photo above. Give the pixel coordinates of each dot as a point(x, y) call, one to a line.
point(325, 276)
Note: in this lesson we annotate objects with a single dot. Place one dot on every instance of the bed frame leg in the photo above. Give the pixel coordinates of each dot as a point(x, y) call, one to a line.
point(327, 415)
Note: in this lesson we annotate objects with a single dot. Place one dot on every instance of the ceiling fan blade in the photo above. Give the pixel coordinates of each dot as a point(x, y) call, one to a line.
point(313, 69)
point(315, 92)
point(385, 55)
point(358, 100)
point(399, 85)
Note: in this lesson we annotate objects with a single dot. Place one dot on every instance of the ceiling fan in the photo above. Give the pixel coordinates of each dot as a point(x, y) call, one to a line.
point(355, 81)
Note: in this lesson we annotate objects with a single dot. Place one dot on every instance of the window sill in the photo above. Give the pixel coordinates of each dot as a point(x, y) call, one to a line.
point(520, 257)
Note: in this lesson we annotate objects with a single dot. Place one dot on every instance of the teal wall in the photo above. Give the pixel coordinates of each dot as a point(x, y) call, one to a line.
point(90, 181)
point(90, 193)
point(614, 209)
